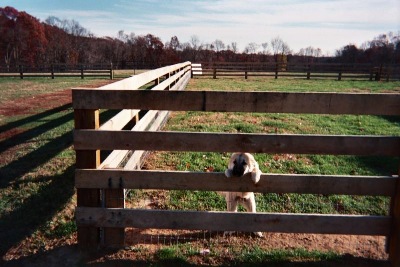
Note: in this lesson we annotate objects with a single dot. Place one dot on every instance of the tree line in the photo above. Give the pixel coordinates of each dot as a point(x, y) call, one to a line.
point(25, 40)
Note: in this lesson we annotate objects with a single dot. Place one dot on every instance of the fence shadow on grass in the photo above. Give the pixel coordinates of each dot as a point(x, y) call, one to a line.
point(49, 192)
point(43, 154)
point(35, 117)
point(37, 209)
point(70, 255)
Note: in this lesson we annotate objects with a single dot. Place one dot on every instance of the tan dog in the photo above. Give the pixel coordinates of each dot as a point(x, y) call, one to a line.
point(239, 165)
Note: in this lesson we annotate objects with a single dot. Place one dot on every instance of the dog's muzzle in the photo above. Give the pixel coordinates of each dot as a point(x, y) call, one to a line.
point(238, 170)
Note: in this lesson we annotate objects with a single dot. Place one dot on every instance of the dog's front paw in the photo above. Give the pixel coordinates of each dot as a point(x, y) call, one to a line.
point(258, 234)
point(228, 233)
point(255, 176)
point(228, 173)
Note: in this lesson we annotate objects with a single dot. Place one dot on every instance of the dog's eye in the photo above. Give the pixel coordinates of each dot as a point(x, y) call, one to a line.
point(234, 162)
point(244, 163)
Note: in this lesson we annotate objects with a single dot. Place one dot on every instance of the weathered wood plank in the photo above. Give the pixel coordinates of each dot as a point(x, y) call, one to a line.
point(123, 117)
point(239, 221)
point(270, 102)
point(141, 79)
point(114, 236)
point(394, 238)
point(135, 161)
point(269, 183)
point(119, 120)
point(88, 237)
point(227, 142)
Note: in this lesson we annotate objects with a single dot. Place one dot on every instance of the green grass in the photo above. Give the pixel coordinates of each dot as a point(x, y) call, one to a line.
point(182, 254)
point(292, 85)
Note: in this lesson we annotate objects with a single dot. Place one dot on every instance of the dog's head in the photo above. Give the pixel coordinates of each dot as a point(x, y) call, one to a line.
point(239, 164)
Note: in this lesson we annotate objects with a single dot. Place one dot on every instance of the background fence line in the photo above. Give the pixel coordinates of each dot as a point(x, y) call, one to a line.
point(300, 70)
point(55, 71)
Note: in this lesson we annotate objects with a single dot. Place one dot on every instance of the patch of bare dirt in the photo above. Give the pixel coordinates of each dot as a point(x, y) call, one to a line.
point(29, 105)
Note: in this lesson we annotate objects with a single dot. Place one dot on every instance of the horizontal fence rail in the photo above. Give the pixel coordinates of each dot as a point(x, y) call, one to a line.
point(268, 102)
point(228, 221)
point(226, 142)
point(213, 181)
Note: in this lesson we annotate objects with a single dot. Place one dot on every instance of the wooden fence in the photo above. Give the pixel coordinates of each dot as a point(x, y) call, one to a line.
point(100, 185)
point(301, 70)
point(55, 72)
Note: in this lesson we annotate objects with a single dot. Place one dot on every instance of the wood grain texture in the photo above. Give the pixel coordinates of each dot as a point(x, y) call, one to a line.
point(226, 142)
point(266, 102)
point(88, 237)
point(214, 181)
point(235, 221)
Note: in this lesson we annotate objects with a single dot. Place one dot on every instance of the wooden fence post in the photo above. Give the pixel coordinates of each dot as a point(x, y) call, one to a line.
point(111, 72)
point(394, 239)
point(387, 73)
point(88, 237)
point(308, 72)
point(215, 73)
point(114, 198)
point(340, 73)
point(245, 74)
point(276, 71)
point(52, 71)
point(378, 73)
point(371, 74)
point(21, 72)
point(82, 76)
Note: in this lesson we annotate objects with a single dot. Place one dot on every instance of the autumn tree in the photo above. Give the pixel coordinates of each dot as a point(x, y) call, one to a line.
point(31, 39)
point(8, 41)
point(280, 49)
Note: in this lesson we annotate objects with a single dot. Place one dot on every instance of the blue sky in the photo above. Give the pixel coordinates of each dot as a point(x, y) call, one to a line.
point(325, 24)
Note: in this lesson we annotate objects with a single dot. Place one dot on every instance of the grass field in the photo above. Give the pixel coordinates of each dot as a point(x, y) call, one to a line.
point(37, 196)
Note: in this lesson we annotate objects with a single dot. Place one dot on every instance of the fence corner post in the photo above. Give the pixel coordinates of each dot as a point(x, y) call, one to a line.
point(114, 198)
point(394, 238)
point(88, 237)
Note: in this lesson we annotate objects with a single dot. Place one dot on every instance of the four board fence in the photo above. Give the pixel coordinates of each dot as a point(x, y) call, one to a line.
point(298, 70)
point(57, 72)
point(101, 216)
